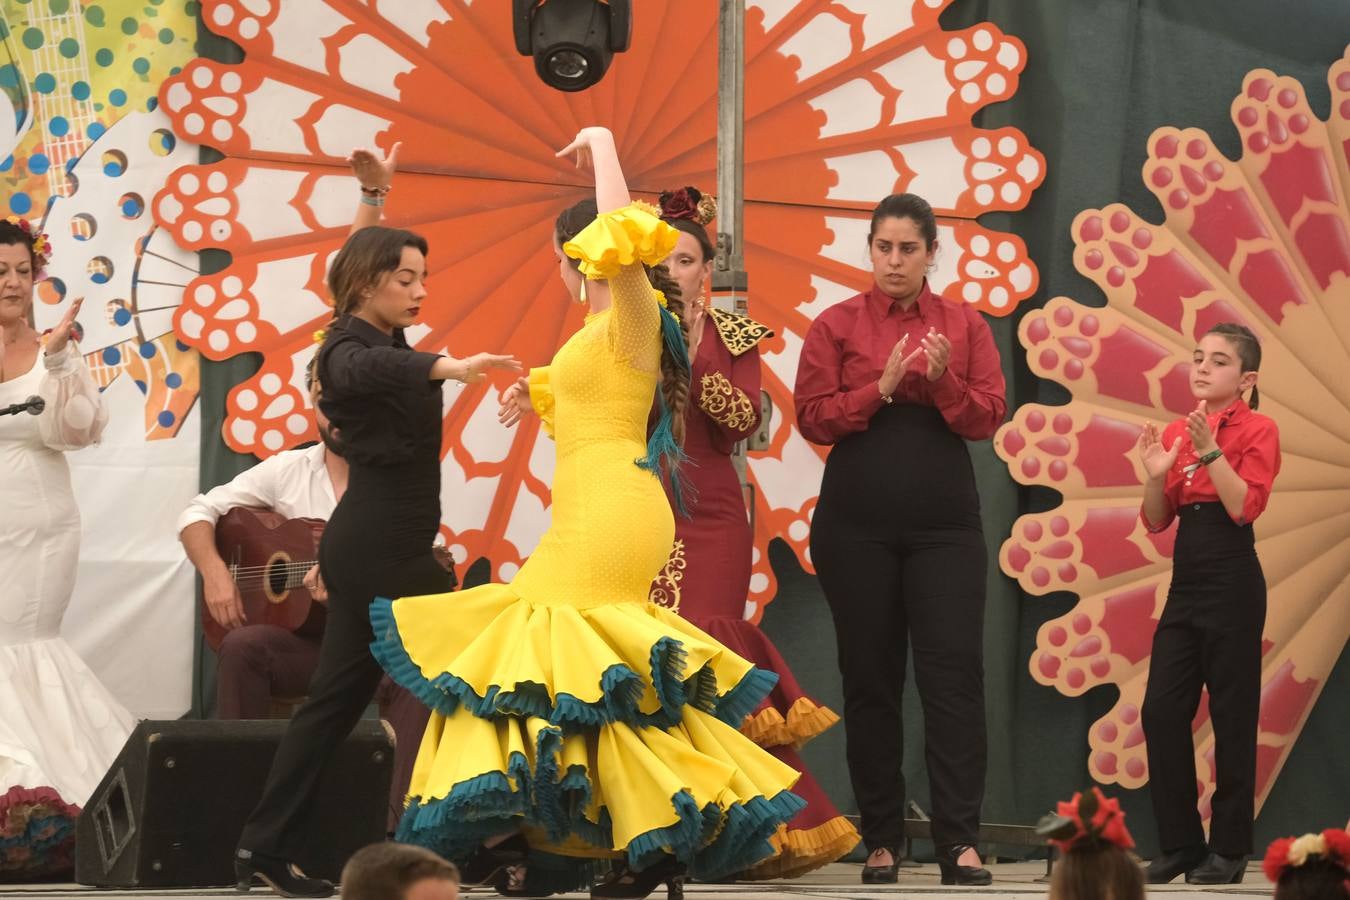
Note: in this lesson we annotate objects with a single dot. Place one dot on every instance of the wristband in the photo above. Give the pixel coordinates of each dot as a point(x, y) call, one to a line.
point(1211, 456)
point(372, 199)
point(374, 191)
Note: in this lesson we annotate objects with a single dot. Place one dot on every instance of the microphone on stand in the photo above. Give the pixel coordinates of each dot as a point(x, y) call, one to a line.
point(33, 405)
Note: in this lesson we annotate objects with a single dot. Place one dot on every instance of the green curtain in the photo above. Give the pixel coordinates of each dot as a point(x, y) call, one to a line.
point(1101, 76)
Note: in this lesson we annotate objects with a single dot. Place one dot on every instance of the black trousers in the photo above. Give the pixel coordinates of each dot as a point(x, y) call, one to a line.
point(897, 544)
point(377, 544)
point(1209, 637)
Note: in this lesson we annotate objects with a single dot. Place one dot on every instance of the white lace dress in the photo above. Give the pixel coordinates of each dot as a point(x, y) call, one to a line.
point(60, 729)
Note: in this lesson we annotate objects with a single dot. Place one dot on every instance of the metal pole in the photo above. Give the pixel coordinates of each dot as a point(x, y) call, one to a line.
point(729, 280)
point(728, 277)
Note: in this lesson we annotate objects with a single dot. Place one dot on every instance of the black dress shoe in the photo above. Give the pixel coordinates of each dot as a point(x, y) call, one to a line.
point(278, 874)
point(883, 874)
point(1218, 869)
point(622, 883)
point(1169, 865)
point(489, 865)
point(955, 873)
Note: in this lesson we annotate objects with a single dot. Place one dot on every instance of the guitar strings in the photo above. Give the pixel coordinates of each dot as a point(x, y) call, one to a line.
point(255, 576)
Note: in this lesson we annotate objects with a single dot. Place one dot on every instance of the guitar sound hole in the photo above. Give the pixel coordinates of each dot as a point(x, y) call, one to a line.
point(276, 579)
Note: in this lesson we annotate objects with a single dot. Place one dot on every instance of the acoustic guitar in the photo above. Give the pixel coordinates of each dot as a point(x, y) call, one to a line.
point(268, 556)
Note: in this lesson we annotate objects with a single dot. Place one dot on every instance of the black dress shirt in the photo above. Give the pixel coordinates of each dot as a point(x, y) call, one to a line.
point(377, 393)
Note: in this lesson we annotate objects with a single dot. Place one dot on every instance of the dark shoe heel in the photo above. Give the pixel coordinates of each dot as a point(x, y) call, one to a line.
point(488, 867)
point(955, 873)
point(278, 874)
point(883, 874)
point(1218, 869)
point(1168, 866)
point(625, 884)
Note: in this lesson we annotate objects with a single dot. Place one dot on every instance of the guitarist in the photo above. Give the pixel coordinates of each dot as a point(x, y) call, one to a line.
point(256, 662)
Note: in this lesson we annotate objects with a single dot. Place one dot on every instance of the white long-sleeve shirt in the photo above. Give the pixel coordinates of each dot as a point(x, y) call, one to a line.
point(294, 483)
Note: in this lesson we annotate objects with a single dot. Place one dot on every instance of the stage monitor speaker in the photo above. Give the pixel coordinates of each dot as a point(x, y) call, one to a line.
point(170, 810)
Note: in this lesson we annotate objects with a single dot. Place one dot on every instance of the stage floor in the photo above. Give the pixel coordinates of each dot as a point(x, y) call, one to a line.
point(836, 882)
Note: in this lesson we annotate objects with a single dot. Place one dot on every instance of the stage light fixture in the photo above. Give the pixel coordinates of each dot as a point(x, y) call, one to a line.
point(572, 41)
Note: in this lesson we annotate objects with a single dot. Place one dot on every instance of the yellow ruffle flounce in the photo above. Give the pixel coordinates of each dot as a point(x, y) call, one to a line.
point(621, 238)
point(541, 397)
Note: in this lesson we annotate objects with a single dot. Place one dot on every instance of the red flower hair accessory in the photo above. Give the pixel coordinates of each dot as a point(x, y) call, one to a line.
point(1089, 818)
point(42, 247)
point(1332, 845)
point(688, 203)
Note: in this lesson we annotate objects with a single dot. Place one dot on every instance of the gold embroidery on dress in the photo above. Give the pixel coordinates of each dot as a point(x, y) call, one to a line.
point(666, 589)
point(725, 403)
point(739, 333)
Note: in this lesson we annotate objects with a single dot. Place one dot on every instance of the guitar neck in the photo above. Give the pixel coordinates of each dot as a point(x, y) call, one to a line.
point(297, 573)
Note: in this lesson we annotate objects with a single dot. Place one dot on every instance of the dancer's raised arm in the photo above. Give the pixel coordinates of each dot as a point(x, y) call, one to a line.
point(376, 174)
point(594, 149)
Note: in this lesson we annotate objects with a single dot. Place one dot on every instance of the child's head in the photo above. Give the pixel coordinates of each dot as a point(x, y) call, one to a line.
point(1311, 867)
point(1097, 871)
point(392, 871)
point(1095, 860)
point(1225, 364)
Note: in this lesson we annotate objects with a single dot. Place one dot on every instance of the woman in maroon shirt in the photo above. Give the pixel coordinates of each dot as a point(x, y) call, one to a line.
point(897, 379)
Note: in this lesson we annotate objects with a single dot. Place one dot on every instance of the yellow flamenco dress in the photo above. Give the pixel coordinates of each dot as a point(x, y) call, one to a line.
point(565, 703)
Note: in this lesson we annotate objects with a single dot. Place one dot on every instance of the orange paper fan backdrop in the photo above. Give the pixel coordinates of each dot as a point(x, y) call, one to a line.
point(1264, 241)
point(845, 102)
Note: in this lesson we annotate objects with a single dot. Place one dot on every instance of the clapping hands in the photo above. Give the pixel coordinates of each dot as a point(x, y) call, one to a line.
point(1156, 458)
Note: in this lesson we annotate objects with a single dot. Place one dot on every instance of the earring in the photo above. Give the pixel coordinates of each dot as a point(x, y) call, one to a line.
point(581, 297)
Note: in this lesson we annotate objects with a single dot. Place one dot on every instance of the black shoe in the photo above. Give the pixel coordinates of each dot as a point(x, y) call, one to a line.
point(622, 883)
point(1218, 869)
point(278, 874)
point(490, 865)
point(883, 874)
point(1169, 865)
point(955, 873)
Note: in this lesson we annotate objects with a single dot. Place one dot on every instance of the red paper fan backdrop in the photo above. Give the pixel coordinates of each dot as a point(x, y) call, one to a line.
point(845, 103)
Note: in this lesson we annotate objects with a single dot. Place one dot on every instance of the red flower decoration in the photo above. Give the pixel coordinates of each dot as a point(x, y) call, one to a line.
point(1277, 857)
point(1282, 855)
point(1094, 818)
point(681, 204)
point(1338, 845)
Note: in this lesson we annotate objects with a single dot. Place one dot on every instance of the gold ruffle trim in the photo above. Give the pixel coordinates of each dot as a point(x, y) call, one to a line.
point(801, 850)
point(805, 720)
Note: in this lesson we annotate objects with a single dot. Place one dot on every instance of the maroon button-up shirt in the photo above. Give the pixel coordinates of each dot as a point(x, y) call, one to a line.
point(846, 350)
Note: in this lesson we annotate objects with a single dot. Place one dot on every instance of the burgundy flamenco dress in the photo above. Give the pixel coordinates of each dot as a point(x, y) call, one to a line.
point(707, 581)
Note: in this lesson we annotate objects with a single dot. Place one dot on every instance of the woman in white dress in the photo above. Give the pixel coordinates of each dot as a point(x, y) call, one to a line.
point(60, 729)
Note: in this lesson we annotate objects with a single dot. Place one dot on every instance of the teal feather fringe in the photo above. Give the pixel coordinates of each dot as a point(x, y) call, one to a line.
point(663, 453)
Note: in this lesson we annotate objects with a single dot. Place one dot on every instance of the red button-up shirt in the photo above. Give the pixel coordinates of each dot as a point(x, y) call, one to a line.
point(1251, 444)
point(846, 350)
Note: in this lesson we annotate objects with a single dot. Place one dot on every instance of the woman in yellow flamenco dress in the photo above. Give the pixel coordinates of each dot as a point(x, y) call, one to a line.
point(566, 706)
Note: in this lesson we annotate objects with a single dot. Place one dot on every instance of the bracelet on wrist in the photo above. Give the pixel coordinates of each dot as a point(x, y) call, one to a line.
point(885, 397)
point(1211, 456)
point(372, 200)
point(374, 191)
